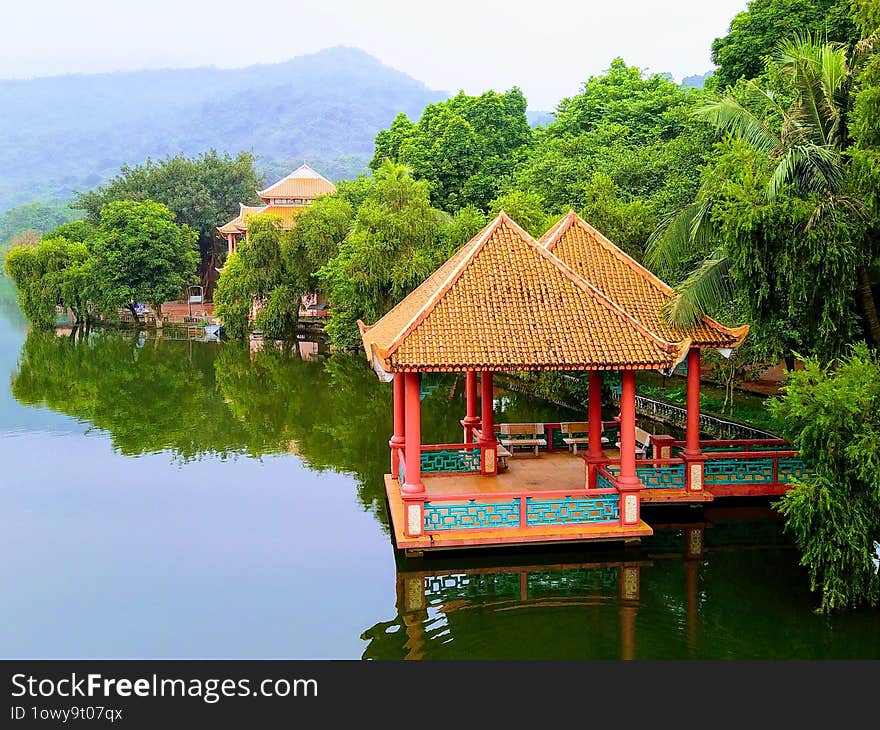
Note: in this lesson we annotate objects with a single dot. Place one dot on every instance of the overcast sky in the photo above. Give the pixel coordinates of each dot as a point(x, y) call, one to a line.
point(547, 47)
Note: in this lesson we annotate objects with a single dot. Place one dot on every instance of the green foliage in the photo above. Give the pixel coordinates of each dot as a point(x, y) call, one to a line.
point(831, 413)
point(466, 147)
point(233, 298)
point(778, 222)
point(142, 254)
point(55, 271)
point(624, 152)
point(527, 209)
point(755, 32)
point(36, 216)
point(271, 271)
point(322, 227)
point(393, 247)
point(202, 192)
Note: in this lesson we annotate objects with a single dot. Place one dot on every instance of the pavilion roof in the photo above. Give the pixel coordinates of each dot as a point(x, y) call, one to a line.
point(287, 213)
point(505, 302)
point(304, 182)
point(625, 281)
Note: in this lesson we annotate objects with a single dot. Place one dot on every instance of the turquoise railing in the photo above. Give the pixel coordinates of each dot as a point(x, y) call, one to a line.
point(451, 461)
point(603, 482)
point(738, 471)
point(790, 467)
point(471, 515)
point(658, 476)
point(573, 510)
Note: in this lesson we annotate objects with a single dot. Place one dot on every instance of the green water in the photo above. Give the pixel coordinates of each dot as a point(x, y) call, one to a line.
point(183, 499)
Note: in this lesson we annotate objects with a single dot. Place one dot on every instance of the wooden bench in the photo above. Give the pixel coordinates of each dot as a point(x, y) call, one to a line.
point(503, 455)
point(577, 433)
point(643, 443)
point(522, 434)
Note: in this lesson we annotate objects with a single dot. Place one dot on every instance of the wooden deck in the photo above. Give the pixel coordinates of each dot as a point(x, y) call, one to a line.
point(555, 470)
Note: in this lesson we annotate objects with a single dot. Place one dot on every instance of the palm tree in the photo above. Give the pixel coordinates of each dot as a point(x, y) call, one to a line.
point(806, 140)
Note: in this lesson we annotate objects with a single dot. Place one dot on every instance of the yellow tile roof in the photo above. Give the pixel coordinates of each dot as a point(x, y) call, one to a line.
point(288, 214)
point(626, 282)
point(504, 302)
point(304, 182)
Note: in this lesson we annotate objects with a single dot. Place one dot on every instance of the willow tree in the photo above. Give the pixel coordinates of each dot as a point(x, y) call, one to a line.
point(804, 147)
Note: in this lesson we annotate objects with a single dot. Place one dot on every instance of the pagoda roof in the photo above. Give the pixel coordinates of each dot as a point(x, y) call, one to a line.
point(304, 182)
point(505, 302)
point(625, 281)
point(287, 213)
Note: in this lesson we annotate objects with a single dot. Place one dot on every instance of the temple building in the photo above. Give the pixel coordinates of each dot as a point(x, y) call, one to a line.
point(287, 198)
point(571, 301)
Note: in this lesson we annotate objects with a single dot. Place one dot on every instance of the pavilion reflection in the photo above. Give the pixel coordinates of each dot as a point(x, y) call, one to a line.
point(569, 604)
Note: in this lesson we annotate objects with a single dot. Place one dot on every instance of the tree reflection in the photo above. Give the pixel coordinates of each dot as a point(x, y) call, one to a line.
point(195, 399)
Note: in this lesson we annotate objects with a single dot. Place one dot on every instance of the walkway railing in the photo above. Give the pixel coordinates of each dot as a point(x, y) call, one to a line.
point(677, 416)
point(450, 458)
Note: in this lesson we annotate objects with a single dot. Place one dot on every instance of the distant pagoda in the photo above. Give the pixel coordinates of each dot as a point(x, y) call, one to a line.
point(287, 198)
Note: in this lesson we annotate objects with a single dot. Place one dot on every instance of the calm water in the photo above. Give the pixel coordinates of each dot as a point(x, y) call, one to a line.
point(175, 499)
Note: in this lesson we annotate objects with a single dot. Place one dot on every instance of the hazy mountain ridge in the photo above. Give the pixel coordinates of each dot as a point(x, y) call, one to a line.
point(68, 133)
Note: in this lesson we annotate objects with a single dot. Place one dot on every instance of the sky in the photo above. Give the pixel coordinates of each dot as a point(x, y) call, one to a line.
point(547, 47)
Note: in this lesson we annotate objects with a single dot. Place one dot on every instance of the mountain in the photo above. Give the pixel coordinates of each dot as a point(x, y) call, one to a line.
point(697, 80)
point(67, 133)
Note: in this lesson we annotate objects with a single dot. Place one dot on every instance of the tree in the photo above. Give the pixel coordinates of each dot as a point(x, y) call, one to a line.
point(203, 192)
point(466, 147)
point(755, 32)
point(272, 269)
point(392, 247)
point(51, 272)
point(527, 209)
point(142, 254)
point(794, 154)
point(626, 146)
point(831, 414)
point(36, 216)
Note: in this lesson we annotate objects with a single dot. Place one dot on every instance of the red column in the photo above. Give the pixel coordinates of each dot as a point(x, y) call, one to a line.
point(412, 481)
point(230, 240)
point(692, 441)
point(594, 414)
point(487, 429)
point(399, 438)
point(628, 477)
point(487, 441)
point(471, 419)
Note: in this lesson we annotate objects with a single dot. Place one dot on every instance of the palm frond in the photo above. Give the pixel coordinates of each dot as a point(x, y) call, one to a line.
point(807, 168)
point(729, 116)
point(681, 236)
point(704, 291)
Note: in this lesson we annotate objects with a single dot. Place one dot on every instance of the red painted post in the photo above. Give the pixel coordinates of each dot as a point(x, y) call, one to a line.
point(628, 475)
point(692, 441)
point(412, 481)
point(594, 414)
point(488, 443)
point(628, 482)
point(230, 240)
point(693, 457)
point(398, 439)
point(471, 419)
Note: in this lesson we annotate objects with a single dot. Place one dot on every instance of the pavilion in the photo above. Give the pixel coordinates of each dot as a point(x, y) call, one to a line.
point(287, 198)
point(571, 301)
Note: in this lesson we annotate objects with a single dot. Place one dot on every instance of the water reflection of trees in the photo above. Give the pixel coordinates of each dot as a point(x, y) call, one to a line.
point(195, 399)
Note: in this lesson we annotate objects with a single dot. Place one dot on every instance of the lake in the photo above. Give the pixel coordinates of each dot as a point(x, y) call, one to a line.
point(199, 500)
